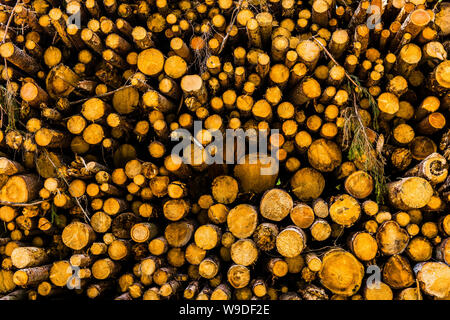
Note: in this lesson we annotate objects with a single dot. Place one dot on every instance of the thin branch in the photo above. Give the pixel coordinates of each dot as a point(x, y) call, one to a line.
point(334, 60)
point(100, 95)
point(9, 21)
point(15, 204)
point(230, 26)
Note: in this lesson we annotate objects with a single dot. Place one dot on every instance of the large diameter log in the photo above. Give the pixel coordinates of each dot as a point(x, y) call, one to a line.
point(244, 252)
point(256, 173)
point(242, 220)
point(439, 79)
point(397, 272)
point(359, 184)
point(125, 100)
point(25, 257)
point(78, 235)
point(275, 204)
point(434, 278)
point(307, 184)
point(443, 251)
point(363, 245)
point(224, 189)
point(6, 281)
point(345, 210)
point(32, 276)
point(433, 168)
point(291, 241)
point(391, 238)
point(61, 81)
point(150, 62)
point(179, 233)
point(19, 58)
point(410, 193)
point(20, 188)
point(324, 155)
point(10, 167)
point(341, 272)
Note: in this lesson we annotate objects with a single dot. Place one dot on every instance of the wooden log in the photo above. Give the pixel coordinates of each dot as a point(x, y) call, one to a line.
point(341, 272)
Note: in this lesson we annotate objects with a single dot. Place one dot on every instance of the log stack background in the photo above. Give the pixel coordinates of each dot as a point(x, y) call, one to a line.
point(94, 205)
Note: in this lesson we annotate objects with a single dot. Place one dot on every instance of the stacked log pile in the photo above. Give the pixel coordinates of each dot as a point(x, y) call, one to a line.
point(94, 203)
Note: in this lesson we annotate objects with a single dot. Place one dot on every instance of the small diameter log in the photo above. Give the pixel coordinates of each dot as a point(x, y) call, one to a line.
point(265, 236)
point(238, 276)
point(81, 260)
point(60, 273)
point(193, 85)
point(432, 123)
point(420, 249)
point(142, 232)
point(320, 208)
point(122, 224)
point(97, 289)
point(175, 209)
point(153, 99)
point(379, 291)
point(10, 167)
point(207, 236)
point(409, 57)
point(50, 138)
point(19, 294)
point(278, 267)
point(33, 94)
point(209, 267)
point(443, 251)
point(320, 230)
point(101, 222)
point(119, 249)
point(438, 80)
point(341, 272)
